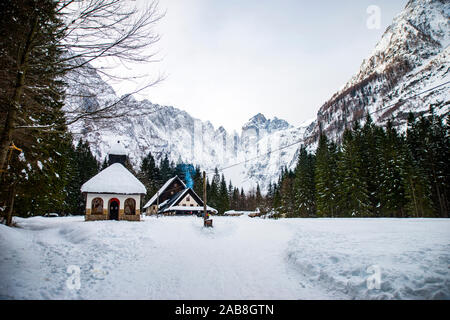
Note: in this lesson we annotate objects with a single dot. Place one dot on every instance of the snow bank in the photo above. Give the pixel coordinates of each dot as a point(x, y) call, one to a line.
point(411, 255)
point(240, 258)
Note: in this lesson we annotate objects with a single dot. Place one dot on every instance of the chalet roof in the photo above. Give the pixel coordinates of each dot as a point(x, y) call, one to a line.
point(114, 179)
point(176, 197)
point(181, 208)
point(171, 205)
point(162, 190)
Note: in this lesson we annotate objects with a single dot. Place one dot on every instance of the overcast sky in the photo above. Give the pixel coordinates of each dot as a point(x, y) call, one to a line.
point(225, 61)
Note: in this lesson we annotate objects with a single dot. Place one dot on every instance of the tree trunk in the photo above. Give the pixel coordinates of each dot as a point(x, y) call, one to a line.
point(7, 132)
point(12, 194)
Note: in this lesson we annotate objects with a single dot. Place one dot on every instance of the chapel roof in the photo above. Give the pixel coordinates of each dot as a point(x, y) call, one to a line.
point(114, 179)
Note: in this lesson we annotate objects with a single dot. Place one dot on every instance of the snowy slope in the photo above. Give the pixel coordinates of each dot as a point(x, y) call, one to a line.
point(240, 258)
point(412, 56)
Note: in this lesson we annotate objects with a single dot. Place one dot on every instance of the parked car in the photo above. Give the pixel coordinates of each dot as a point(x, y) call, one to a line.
point(51, 215)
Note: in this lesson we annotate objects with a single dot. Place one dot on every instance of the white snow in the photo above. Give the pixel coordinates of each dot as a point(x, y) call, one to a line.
point(246, 213)
point(240, 258)
point(114, 179)
point(117, 149)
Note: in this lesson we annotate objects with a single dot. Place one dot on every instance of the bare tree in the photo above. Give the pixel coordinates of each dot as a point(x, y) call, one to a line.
point(47, 40)
point(110, 33)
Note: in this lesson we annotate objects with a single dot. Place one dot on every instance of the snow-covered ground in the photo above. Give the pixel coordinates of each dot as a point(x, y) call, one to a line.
point(240, 258)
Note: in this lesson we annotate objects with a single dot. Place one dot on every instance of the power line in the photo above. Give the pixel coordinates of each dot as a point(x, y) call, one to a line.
point(300, 141)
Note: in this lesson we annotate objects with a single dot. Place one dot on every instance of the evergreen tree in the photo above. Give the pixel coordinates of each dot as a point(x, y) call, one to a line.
point(276, 204)
point(223, 199)
point(104, 164)
point(353, 194)
point(428, 144)
point(287, 194)
point(149, 175)
point(165, 170)
point(230, 190)
point(83, 167)
point(33, 135)
point(198, 181)
point(417, 188)
point(268, 199)
point(304, 188)
point(235, 199)
point(371, 169)
point(391, 189)
point(326, 181)
point(242, 201)
point(213, 194)
point(259, 198)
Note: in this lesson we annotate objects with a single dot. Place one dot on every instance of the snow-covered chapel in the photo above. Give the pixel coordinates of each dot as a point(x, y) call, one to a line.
point(114, 193)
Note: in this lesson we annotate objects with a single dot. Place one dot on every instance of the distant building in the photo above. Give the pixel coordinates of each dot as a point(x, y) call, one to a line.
point(251, 214)
point(174, 198)
point(114, 193)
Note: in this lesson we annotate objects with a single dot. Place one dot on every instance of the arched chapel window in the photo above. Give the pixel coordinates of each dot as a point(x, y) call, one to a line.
point(130, 206)
point(97, 206)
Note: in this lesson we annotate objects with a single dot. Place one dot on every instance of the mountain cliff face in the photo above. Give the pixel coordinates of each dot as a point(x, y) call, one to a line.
point(168, 130)
point(411, 57)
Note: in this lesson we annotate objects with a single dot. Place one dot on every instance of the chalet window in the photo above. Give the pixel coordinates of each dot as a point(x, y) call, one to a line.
point(188, 198)
point(192, 205)
point(130, 206)
point(97, 206)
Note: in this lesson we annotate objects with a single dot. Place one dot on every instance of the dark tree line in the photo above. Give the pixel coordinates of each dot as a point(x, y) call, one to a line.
point(376, 172)
point(44, 44)
point(53, 184)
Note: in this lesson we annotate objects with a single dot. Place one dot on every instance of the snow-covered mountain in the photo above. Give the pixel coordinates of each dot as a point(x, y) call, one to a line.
point(411, 57)
point(168, 130)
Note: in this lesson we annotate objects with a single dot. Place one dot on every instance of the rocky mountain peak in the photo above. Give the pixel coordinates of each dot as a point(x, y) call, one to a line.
point(260, 122)
point(411, 57)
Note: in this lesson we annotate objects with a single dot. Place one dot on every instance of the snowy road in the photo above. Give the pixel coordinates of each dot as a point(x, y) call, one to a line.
point(240, 258)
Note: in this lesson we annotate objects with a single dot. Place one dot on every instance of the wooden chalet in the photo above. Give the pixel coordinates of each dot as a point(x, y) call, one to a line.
point(174, 198)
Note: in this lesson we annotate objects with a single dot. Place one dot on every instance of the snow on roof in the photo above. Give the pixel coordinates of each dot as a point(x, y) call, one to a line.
point(163, 204)
point(117, 149)
point(114, 179)
point(175, 199)
point(246, 213)
point(161, 190)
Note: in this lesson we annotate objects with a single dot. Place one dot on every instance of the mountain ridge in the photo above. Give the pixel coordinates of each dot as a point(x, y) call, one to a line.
point(412, 56)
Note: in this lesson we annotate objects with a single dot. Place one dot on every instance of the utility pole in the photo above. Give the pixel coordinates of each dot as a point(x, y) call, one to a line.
point(206, 222)
point(204, 197)
point(157, 204)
